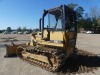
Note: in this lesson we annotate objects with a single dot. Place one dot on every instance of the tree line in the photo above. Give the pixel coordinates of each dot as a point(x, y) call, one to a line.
point(87, 21)
point(19, 29)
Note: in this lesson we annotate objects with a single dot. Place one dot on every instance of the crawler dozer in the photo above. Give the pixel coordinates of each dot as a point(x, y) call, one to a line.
point(54, 44)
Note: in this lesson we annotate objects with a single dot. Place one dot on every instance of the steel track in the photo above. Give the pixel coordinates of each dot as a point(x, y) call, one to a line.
point(43, 51)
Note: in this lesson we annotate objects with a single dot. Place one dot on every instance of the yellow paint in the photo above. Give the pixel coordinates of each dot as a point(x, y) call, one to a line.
point(56, 35)
point(35, 38)
point(64, 36)
point(37, 57)
point(11, 50)
point(51, 44)
point(45, 34)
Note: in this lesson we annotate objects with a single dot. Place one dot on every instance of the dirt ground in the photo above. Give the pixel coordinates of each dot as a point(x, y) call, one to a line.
point(89, 42)
point(86, 42)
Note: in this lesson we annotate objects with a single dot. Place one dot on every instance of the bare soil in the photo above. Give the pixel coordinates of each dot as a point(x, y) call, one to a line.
point(85, 61)
point(82, 62)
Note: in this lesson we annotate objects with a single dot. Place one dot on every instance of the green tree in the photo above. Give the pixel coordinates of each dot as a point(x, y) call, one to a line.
point(30, 30)
point(24, 29)
point(72, 6)
point(79, 13)
point(88, 24)
point(36, 30)
point(79, 10)
point(9, 29)
point(94, 13)
point(19, 29)
point(98, 22)
point(80, 24)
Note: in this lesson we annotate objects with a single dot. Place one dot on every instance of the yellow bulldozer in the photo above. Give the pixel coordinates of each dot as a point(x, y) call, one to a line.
point(54, 44)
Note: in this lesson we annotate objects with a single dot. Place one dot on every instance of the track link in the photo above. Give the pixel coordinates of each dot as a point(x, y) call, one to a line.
point(56, 54)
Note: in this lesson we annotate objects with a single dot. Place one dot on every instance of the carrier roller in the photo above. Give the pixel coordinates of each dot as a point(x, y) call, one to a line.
point(50, 59)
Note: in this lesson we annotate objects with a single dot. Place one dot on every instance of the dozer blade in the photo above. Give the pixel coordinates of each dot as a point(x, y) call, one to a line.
point(11, 50)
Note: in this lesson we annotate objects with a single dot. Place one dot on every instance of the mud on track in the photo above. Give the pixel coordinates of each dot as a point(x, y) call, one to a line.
point(82, 62)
